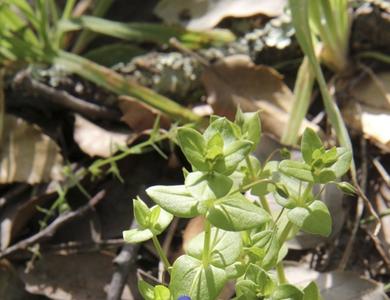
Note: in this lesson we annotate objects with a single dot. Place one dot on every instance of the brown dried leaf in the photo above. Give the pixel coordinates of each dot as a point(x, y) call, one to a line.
point(205, 14)
point(235, 81)
point(28, 155)
point(97, 141)
point(140, 116)
point(370, 112)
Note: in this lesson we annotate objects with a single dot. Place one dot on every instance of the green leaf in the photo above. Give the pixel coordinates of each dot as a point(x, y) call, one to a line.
point(325, 176)
point(228, 131)
point(246, 289)
point(141, 212)
point(265, 284)
point(250, 126)
point(260, 239)
point(287, 291)
point(190, 277)
point(296, 169)
point(346, 188)
point(161, 293)
point(193, 146)
point(112, 54)
point(206, 186)
point(271, 253)
point(314, 219)
point(343, 163)
point(236, 213)
point(137, 235)
point(234, 153)
point(146, 290)
point(310, 142)
point(235, 270)
point(225, 247)
point(214, 147)
point(311, 292)
point(175, 199)
point(159, 220)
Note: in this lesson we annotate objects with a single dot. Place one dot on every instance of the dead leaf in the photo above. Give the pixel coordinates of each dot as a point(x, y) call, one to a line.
point(79, 276)
point(140, 116)
point(336, 285)
point(205, 14)
point(28, 155)
point(370, 112)
point(373, 90)
point(236, 81)
point(372, 122)
point(97, 141)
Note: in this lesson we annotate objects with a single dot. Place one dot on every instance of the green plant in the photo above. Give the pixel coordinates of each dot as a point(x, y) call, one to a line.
point(243, 240)
point(322, 30)
point(34, 33)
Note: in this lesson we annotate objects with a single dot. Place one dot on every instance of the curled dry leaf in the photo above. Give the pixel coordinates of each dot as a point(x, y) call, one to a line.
point(236, 80)
point(337, 284)
point(205, 14)
point(97, 141)
point(370, 112)
point(28, 155)
point(140, 116)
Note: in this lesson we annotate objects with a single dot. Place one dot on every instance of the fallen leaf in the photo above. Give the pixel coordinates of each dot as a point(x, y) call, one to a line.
point(236, 81)
point(370, 112)
point(17, 214)
point(97, 141)
point(140, 116)
point(79, 276)
point(205, 14)
point(371, 121)
point(337, 284)
point(28, 155)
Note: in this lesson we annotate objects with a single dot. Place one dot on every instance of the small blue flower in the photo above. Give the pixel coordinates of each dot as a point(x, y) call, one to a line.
point(184, 298)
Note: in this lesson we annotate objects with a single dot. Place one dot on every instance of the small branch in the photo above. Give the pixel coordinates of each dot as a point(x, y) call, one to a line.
point(24, 81)
point(50, 230)
point(124, 263)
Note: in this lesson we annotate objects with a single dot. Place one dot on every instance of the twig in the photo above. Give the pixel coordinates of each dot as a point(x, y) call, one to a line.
point(359, 209)
point(24, 81)
point(382, 171)
point(50, 230)
point(124, 262)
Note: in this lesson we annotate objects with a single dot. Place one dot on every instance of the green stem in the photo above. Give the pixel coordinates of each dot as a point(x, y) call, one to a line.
point(264, 204)
point(286, 230)
point(161, 253)
point(206, 249)
point(281, 275)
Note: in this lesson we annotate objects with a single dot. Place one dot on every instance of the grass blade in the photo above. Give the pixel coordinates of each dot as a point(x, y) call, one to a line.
point(302, 95)
point(118, 84)
point(147, 32)
point(299, 12)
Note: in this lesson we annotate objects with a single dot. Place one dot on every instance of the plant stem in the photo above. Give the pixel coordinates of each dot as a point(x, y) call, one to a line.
point(161, 253)
point(281, 275)
point(286, 230)
point(264, 204)
point(206, 244)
